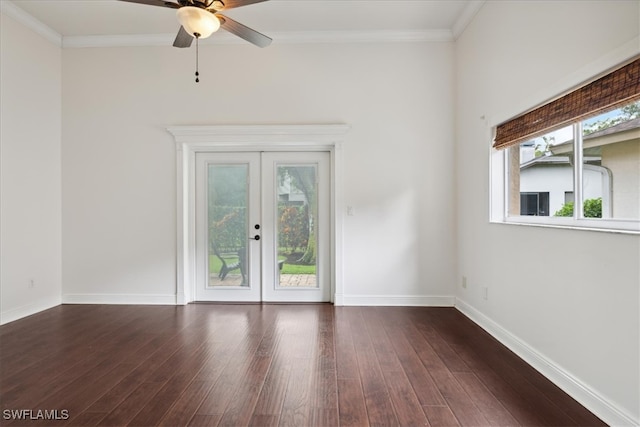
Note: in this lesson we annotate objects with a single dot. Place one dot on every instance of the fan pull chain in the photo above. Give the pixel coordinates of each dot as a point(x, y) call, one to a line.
point(197, 56)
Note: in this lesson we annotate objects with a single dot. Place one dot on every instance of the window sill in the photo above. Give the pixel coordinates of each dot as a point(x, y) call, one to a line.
point(607, 225)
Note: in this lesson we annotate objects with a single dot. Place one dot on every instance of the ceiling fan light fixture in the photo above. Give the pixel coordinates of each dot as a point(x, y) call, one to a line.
point(198, 21)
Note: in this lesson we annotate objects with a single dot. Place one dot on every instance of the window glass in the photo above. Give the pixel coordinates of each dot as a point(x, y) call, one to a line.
point(611, 164)
point(297, 229)
point(541, 174)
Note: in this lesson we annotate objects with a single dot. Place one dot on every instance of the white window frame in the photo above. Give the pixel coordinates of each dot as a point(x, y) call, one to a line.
point(498, 178)
point(499, 196)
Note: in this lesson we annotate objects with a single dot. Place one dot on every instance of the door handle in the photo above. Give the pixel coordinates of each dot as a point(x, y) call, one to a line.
point(256, 237)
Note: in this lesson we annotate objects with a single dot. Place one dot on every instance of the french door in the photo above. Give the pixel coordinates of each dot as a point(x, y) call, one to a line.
point(262, 226)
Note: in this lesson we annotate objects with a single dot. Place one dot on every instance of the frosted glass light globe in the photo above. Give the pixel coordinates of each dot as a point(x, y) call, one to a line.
point(198, 21)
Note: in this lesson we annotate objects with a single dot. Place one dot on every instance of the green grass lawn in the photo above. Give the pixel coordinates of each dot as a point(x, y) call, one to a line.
point(288, 268)
point(215, 264)
point(298, 269)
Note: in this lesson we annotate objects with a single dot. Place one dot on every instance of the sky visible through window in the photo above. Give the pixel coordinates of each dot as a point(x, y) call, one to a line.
point(565, 134)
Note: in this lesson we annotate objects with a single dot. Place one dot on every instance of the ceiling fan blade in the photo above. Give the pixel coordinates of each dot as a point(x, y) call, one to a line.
point(231, 4)
point(160, 3)
point(183, 39)
point(244, 32)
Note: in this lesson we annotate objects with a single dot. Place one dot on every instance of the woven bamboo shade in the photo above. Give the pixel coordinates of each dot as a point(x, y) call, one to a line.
point(612, 91)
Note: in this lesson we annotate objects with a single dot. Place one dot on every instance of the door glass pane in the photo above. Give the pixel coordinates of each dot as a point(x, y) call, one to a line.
point(227, 194)
point(297, 226)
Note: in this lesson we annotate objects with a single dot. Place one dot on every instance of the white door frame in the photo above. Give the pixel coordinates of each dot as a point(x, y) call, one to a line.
point(224, 138)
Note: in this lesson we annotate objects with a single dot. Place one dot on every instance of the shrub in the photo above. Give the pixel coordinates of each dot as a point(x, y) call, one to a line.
point(592, 208)
point(293, 230)
point(565, 210)
point(227, 227)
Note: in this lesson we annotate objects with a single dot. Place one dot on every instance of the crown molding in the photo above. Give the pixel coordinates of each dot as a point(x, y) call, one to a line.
point(302, 37)
point(8, 8)
point(123, 40)
point(382, 36)
point(466, 17)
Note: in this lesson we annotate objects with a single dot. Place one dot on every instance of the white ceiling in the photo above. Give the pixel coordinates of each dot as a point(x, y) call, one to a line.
point(80, 18)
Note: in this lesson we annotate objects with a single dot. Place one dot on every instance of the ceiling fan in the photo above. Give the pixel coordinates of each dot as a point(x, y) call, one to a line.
point(201, 18)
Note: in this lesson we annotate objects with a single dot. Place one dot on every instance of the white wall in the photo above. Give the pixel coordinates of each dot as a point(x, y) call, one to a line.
point(118, 174)
point(30, 193)
point(119, 162)
point(577, 317)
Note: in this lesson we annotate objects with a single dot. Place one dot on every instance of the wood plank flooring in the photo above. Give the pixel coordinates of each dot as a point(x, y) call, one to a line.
point(269, 365)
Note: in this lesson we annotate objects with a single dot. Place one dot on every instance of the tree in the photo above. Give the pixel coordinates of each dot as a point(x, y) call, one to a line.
point(631, 111)
point(545, 149)
point(626, 113)
point(304, 179)
point(227, 185)
point(227, 193)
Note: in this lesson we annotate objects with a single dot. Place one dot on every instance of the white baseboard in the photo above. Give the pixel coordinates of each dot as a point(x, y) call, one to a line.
point(119, 299)
point(363, 300)
point(571, 385)
point(28, 309)
point(398, 300)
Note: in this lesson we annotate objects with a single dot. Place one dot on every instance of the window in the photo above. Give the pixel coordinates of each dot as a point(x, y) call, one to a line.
point(567, 164)
point(568, 197)
point(536, 204)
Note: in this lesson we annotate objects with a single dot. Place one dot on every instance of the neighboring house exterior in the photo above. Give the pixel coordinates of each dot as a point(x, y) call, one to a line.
point(289, 194)
point(620, 152)
point(611, 171)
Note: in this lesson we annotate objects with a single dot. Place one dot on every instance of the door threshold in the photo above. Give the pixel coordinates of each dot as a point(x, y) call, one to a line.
point(260, 303)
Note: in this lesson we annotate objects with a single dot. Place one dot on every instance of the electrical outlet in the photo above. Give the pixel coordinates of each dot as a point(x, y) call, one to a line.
point(485, 293)
point(464, 282)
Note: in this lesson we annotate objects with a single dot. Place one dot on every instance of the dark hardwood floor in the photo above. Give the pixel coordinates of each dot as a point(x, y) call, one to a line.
point(267, 365)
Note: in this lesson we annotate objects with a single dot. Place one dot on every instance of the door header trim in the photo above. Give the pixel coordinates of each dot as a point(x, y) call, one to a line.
point(239, 135)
